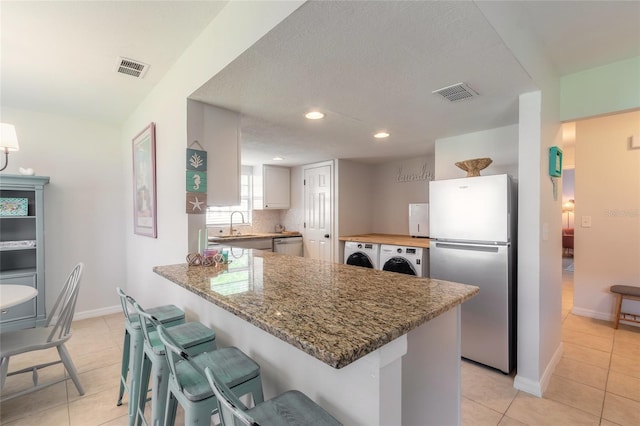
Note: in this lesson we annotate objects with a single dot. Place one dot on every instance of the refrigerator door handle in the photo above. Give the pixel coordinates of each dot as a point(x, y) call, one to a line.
point(469, 247)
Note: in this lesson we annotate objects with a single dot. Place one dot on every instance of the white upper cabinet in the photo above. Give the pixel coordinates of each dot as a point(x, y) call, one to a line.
point(271, 187)
point(218, 131)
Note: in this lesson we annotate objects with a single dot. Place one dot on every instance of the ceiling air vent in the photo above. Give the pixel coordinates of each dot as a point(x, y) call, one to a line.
point(456, 92)
point(132, 67)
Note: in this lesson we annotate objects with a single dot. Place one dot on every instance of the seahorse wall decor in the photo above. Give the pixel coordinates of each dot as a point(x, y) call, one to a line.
point(196, 180)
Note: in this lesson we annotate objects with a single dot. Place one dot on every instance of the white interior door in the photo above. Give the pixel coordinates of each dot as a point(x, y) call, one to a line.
point(318, 212)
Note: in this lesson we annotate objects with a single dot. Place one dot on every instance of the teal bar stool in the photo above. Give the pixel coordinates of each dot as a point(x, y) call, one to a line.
point(290, 408)
point(192, 337)
point(168, 315)
point(189, 387)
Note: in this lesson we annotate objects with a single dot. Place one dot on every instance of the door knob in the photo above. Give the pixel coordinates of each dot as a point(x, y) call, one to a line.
point(326, 235)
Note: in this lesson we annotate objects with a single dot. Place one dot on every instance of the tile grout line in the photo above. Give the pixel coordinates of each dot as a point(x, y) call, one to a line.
point(606, 385)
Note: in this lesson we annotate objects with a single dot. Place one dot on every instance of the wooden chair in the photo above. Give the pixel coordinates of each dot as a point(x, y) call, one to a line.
point(625, 292)
point(55, 333)
point(290, 408)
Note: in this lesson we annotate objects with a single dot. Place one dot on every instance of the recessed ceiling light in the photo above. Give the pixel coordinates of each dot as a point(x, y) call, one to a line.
point(381, 135)
point(314, 115)
point(277, 158)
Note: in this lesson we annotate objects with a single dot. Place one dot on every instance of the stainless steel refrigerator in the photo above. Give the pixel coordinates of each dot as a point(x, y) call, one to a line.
point(473, 222)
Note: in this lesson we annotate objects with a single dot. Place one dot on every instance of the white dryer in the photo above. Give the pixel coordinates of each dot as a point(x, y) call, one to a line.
point(361, 254)
point(405, 260)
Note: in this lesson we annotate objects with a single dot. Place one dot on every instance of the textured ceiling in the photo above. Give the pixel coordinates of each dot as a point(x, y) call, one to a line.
point(579, 35)
point(61, 56)
point(373, 65)
point(368, 65)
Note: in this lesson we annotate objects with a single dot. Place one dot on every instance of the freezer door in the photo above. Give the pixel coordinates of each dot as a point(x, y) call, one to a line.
point(470, 209)
point(487, 318)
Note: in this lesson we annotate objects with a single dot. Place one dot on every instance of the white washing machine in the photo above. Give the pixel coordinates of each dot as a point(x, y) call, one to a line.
point(361, 254)
point(405, 260)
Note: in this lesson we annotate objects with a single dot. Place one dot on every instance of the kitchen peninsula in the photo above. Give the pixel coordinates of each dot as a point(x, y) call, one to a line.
point(372, 347)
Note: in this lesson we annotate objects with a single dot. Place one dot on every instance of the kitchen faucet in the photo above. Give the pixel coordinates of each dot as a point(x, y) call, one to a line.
point(231, 224)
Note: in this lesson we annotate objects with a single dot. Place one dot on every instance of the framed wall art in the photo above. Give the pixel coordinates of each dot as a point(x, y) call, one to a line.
point(144, 182)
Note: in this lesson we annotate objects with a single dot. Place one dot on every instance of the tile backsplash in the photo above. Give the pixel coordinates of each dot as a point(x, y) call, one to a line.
point(261, 221)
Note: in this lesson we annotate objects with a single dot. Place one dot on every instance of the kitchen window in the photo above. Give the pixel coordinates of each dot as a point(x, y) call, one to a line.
point(221, 216)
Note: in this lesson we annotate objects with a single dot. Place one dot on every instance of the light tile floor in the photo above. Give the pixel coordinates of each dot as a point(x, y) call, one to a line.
point(597, 381)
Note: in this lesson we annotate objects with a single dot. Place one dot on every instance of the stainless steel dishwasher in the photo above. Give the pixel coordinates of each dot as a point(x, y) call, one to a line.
point(288, 245)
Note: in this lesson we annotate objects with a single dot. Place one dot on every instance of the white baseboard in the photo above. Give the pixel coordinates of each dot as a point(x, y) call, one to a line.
point(604, 316)
point(537, 388)
point(527, 385)
point(551, 367)
point(97, 312)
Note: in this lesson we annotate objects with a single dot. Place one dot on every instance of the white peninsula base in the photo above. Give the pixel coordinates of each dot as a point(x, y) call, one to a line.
point(413, 380)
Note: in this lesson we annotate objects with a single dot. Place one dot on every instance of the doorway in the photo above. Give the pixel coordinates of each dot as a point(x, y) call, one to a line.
point(318, 211)
point(568, 213)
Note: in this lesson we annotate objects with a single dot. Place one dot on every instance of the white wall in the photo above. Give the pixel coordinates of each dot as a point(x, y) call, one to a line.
point(539, 214)
point(238, 26)
point(500, 144)
point(355, 191)
point(85, 212)
point(354, 183)
point(607, 190)
point(601, 90)
point(396, 184)
point(569, 157)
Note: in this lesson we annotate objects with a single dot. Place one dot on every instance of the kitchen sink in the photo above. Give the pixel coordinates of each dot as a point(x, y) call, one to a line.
point(226, 237)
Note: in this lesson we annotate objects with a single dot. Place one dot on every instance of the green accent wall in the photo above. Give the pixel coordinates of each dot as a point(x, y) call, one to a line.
point(607, 89)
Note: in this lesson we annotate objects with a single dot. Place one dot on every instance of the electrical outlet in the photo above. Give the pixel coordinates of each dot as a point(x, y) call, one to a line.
point(586, 221)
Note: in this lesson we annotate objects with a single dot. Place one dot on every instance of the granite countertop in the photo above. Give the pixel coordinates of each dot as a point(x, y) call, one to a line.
point(254, 236)
point(394, 239)
point(336, 313)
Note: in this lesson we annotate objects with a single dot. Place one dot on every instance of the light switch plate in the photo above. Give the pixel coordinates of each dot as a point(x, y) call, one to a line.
point(586, 221)
point(635, 141)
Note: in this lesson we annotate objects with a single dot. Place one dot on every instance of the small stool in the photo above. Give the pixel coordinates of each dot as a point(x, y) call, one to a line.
point(191, 390)
point(193, 337)
point(289, 408)
point(133, 347)
point(625, 292)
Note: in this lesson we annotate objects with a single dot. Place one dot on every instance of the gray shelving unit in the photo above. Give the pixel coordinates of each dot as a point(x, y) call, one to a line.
point(22, 250)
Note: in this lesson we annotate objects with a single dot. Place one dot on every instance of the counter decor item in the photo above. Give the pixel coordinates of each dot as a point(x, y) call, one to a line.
point(144, 182)
point(473, 166)
point(14, 206)
point(217, 259)
point(196, 180)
